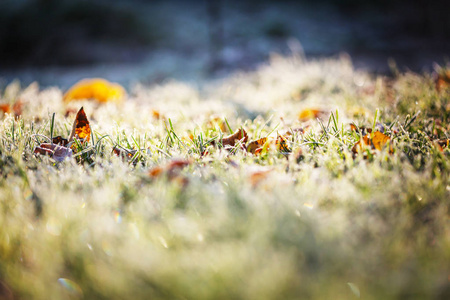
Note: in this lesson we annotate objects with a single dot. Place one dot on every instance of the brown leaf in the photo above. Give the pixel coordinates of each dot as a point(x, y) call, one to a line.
point(81, 129)
point(59, 140)
point(239, 136)
point(57, 152)
point(253, 146)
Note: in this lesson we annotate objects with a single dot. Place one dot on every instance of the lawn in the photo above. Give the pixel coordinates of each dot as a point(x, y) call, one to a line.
point(161, 203)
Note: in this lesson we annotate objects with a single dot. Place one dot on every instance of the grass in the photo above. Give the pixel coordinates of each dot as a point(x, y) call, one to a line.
point(318, 223)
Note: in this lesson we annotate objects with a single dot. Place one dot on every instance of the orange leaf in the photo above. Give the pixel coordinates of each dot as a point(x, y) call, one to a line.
point(281, 144)
point(172, 171)
point(96, 88)
point(81, 129)
point(5, 108)
point(258, 176)
point(377, 140)
point(239, 135)
point(16, 108)
point(253, 146)
point(309, 113)
point(359, 145)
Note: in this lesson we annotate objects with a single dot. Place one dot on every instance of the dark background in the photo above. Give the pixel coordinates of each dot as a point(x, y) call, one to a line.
point(205, 38)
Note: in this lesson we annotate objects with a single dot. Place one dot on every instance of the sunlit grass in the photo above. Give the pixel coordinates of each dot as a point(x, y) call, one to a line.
point(319, 223)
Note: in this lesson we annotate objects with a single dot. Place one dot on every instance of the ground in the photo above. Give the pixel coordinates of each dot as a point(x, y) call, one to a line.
point(179, 212)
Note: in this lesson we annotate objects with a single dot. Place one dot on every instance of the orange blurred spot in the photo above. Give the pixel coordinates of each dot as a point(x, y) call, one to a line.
point(309, 113)
point(96, 88)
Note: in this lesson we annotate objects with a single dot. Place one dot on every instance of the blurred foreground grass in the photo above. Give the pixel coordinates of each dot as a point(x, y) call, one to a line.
point(320, 223)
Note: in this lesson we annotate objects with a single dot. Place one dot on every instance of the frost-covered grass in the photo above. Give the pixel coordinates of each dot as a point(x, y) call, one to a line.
point(320, 223)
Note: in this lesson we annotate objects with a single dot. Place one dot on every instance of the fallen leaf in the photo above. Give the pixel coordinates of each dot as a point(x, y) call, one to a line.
point(363, 129)
point(377, 141)
point(16, 108)
point(172, 171)
point(310, 113)
point(156, 171)
point(442, 80)
point(96, 88)
point(239, 136)
point(358, 146)
point(157, 115)
point(57, 152)
point(5, 108)
point(253, 146)
point(81, 129)
point(58, 140)
point(281, 144)
point(258, 176)
point(123, 152)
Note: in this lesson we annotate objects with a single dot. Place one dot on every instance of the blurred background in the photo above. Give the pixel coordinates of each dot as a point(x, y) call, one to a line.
point(57, 42)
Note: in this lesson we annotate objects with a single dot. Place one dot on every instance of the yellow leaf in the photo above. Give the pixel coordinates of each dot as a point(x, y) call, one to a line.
point(81, 128)
point(96, 88)
point(309, 113)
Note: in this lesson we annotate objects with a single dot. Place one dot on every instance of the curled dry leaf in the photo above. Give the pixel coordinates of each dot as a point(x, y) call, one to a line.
point(377, 141)
point(95, 88)
point(57, 152)
point(239, 136)
point(81, 129)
